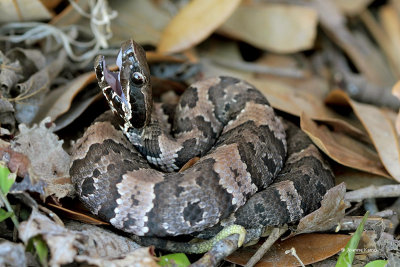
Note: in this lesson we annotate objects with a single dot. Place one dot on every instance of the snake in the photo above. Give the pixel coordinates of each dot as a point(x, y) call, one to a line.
point(254, 168)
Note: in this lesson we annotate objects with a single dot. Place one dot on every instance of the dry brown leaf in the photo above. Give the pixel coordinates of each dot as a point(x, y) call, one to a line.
point(7, 119)
point(277, 27)
point(380, 128)
point(355, 179)
point(189, 164)
point(155, 57)
point(59, 100)
point(51, 4)
point(70, 15)
point(77, 215)
point(310, 248)
point(16, 162)
point(49, 161)
point(77, 108)
point(62, 243)
point(391, 26)
point(330, 213)
point(142, 20)
point(396, 93)
point(12, 254)
point(342, 148)
point(194, 23)
point(141, 257)
point(82, 243)
point(354, 7)
point(23, 10)
point(288, 99)
point(382, 33)
point(33, 90)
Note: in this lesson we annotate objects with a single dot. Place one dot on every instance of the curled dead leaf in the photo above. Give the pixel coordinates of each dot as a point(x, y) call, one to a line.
point(76, 215)
point(330, 213)
point(26, 10)
point(194, 23)
point(59, 100)
point(49, 161)
point(380, 128)
point(342, 148)
point(83, 243)
point(310, 248)
point(277, 27)
point(16, 162)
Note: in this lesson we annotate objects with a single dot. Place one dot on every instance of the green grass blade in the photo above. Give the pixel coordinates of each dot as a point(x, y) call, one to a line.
point(6, 179)
point(37, 245)
point(5, 214)
point(347, 256)
point(377, 263)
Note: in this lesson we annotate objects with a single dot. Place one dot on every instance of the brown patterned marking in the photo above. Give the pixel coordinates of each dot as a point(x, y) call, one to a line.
point(137, 195)
point(261, 115)
point(289, 195)
point(232, 172)
point(96, 134)
point(310, 151)
point(203, 106)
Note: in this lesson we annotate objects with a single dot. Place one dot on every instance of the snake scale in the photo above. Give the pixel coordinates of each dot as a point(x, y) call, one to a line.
point(125, 166)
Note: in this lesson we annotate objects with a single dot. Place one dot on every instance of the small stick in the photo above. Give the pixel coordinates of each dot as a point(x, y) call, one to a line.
point(275, 234)
point(292, 252)
point(257, 68)
point(372, 191)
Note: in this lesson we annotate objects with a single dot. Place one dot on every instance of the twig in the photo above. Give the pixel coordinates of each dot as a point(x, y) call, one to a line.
point(221, 250)
point(263, 69)
point(275, 234)
point(350, 223)
point(372, 191)
point(370, 205)
point(292, 252)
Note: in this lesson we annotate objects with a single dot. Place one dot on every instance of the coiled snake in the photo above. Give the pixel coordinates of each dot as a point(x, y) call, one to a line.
point(224, 120)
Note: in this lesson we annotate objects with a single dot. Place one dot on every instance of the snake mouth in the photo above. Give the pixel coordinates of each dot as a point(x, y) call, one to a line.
point(113, 79)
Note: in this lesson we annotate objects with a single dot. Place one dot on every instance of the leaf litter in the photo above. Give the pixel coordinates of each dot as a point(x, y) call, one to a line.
point(311, 59)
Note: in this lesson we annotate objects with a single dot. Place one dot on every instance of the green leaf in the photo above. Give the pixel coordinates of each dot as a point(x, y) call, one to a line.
point(347, 256)
point(377, 263)
point(38, 245)
point(5, 214)
point(177, 259)
point(6, 179)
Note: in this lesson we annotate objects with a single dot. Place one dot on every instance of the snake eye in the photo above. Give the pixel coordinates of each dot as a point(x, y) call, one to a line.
point(137, 78)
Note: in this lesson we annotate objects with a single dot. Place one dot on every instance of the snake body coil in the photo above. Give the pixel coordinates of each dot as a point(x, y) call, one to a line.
point(225, 121)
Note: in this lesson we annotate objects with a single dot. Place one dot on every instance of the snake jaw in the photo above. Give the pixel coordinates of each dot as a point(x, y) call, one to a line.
point(128, 91)
point(110, 86)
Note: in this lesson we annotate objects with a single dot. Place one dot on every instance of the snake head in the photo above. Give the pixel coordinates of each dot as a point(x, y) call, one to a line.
point(128, 91)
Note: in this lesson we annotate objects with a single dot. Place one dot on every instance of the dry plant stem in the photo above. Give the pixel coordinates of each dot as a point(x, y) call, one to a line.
point(370, 205)
point(275, 234)
point(221, 250)
point(374, 192)
point(262, 69)
point(350, 223)
point(292, 252)
point(385, 213)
